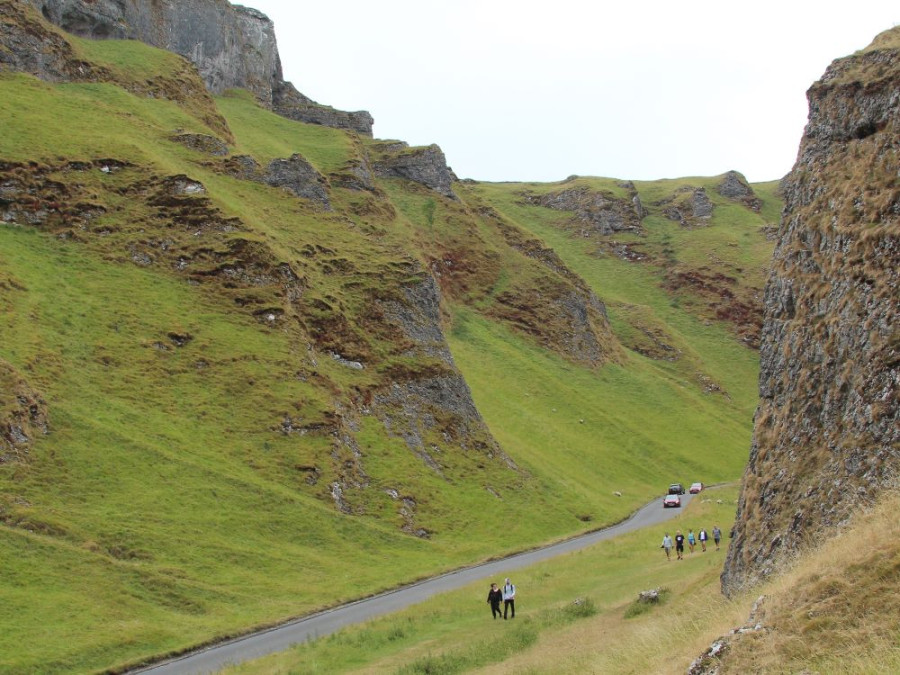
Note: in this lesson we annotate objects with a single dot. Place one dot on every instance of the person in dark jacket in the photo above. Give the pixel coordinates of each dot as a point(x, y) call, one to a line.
point(494, 597)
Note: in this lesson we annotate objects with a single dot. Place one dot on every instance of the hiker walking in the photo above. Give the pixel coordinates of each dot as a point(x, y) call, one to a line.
point(717, 535)
point(679, 545)
point(494, 598)
point(703, 537)
point(509, 599)
point(667, 545)
point(692, 541)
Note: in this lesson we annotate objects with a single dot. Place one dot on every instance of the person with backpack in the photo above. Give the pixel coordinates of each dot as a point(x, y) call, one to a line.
point(509, 598)
point(717, 535)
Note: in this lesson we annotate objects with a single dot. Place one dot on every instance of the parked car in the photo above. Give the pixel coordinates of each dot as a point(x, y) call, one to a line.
point(696, 488)
point(676, 489)
point(671, 501)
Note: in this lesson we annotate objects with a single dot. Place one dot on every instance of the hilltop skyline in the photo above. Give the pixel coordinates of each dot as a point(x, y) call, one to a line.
point(645, 91)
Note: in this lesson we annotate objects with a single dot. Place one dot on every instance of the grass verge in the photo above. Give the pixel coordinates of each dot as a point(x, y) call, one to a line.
point(568, 609)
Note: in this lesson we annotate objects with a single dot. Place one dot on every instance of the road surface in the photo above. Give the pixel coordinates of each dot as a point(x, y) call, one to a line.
point(215, 657)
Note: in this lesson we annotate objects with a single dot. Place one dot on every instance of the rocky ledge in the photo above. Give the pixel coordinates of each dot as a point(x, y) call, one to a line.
point(424, 165)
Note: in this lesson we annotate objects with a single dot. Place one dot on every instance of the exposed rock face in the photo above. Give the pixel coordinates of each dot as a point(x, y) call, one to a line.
point(827, 430)
point(290, 103)
point(299, 177)
point(691, 208)
point(432, 410)
point(419, 318)
point(573, 321)
point(734, 186)
point(596, 212)
point(233, 47)
point(203, 143)
point(294, 174)
point(27, 46)
point(426, 166)
point(23, 414)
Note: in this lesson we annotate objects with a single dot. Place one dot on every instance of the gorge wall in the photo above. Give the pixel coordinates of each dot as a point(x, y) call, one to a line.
point(827, 429)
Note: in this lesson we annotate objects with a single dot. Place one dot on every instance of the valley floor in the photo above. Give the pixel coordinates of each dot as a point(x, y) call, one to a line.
point(834, 611)
point(327, 622)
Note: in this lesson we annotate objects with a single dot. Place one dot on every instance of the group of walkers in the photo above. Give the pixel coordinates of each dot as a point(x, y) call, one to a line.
point(507, 595)
point(702, 537)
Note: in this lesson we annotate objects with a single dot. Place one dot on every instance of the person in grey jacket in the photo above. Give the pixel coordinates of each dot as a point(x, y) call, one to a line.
point(509, 599)
point(667, 545)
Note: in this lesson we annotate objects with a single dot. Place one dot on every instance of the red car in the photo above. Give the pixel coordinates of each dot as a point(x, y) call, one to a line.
point(671, 501)
point(696, 488)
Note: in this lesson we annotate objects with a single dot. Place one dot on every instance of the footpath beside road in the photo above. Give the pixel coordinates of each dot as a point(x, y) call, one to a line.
point(215, 657)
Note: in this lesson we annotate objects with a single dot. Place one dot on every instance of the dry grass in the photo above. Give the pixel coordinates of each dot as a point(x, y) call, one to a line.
point(662, 642)
point(838, 609)
point(835, 610)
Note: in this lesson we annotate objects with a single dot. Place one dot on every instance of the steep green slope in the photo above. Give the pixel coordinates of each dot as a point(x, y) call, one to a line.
point(248, 408)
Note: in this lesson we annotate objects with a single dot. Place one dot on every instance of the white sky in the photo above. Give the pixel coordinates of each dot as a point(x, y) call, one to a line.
point(632, 89)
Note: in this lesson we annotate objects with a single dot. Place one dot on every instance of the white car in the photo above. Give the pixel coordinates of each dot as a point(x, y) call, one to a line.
point(695, 488)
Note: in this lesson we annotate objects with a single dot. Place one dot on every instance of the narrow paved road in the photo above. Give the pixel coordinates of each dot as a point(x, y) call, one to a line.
point(214, 658)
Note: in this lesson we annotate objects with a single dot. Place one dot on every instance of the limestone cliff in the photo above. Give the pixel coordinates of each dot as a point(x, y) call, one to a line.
point(827, 430)
point(232, 47)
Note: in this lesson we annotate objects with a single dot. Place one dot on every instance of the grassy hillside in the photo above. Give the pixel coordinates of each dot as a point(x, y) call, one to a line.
point(832, 611)
point(214, 460)
point(606, 631)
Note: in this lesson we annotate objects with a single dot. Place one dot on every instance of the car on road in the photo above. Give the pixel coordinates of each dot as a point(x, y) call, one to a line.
point(671, 501)
point(676, 489)
point(696, 488)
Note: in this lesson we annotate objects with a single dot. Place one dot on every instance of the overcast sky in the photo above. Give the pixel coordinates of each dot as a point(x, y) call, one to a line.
point(632, 89)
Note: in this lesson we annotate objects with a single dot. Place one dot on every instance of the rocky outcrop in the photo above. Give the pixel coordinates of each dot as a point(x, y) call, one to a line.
point(595, 212)
point(233, 47)
point(690, 207)
point(827, 430)
point(734, 186)
point(26, 45)
point(204, 143)
point(290, 103)
point(424, 165)
point(428, 404)
point(23, 414)
point(434, 403)
point(418, 315)
point(572, 321)
point(293, 174)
